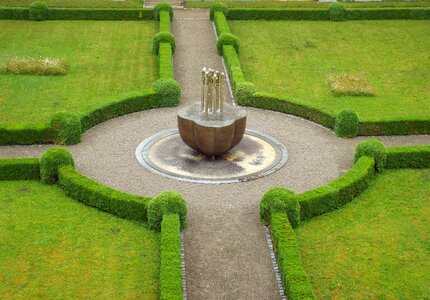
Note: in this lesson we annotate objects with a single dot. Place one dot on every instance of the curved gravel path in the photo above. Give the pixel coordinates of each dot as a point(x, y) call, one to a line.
point(226, 252)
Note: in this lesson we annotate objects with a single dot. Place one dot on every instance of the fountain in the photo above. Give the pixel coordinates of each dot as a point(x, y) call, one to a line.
point(211, 143)
point(211, 125)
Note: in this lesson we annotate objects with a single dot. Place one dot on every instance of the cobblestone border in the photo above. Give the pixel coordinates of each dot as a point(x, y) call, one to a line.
point(184, 278)
point(274, 263)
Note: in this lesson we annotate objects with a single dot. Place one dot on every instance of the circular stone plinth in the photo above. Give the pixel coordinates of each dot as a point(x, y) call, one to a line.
point(257, 155)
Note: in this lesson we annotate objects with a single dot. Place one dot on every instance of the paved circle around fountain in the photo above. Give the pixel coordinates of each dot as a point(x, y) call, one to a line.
point(257, 155)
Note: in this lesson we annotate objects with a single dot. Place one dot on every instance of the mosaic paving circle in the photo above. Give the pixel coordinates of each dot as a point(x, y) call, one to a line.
point(257, 155)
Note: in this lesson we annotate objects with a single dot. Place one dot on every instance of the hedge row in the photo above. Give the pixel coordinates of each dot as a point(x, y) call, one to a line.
point(338, 192)
point(171, 260)
point(221, 24)
point(296, 281)
point(165, 21)
point(91, 193)
point(408, 157)
point(81, 14)
point(19, 169)
point(165, 61)
point(25, 135)
point(394, 127)
point(324, 15)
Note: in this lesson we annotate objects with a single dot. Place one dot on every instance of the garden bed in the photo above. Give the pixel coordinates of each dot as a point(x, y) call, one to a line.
point(107, 60)
point(389, 54)
point(77, 3)
point(375, 246)
point(54, 247)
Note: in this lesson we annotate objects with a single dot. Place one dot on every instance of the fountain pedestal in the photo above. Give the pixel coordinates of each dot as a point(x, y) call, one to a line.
point(211, 134)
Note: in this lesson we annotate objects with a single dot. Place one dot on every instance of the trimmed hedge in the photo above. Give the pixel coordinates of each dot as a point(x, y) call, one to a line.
point(160, 7)
point(337, 12)
point(346, 124)
point(51, 161)
point(395, 127)
point(278, 14)
point(233, 66)
point(388, 14)
point(38, 11)
point(19, 169)
point(244, 92)
point(296, 281)
point(221, 24)
point(165, 21)
point(100, 14)
point(338, 192)
point(372, 148)
point(14, 13)
point(217, 7)
point(91, 193)
point(166, 203)
point(165, 61)
point(132, 103)
point(280, 200)
point(170, 258)
point(408, 157)
point(169, 92)
point(163, 37)
point(67, 128)
point(26, 135)
point(227, 39)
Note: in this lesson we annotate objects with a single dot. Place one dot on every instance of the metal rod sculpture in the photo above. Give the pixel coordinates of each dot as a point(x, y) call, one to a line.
point(212, 99)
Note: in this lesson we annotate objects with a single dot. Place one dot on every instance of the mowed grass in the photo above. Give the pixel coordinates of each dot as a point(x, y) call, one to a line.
point(107, 60)
point(78, 3)
point(376, 247)
point(52, 247)
point(295, 58)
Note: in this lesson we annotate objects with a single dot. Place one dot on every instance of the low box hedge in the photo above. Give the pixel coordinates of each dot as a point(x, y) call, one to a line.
point(408, 157)
point(296, 281)
point(338, 192)
point(26, 135)
point(221, 24)
point(19, 169)
point(165, 61)
point(395, 127)
point(278, 14)
point(388, 13)
point(91, 193)
point(170, 259)
point(14, 13)
point(165, 21)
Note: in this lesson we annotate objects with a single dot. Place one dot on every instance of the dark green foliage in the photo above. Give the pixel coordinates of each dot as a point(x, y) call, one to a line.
point(171, 260)
point(233, 66)
point(227, 39)
point(131, 103)
point(67, 128)
point(245, 92)
point(14, 13)
point(217, 7)
point(338, 192)
point(164, 21)
point(23, 135)
point(397, 127)
point(19, 169)
point(337, 11)
point(296, 281)
point(280, 200)
point(388, 14)
point(169, 92)
point(346, 124)
point(38, 11)
point(166, 203)
point(163, 37)
point(372, 148)
point(91, 193)
point(278, 14)
point(162, 6)
point(408, 157)
point(51, 161)
point(107, 14)
point(165, 61)
point(221, 24)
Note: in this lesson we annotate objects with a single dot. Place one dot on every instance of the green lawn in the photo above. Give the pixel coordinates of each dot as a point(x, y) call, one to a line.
point(107, 61)
point(294, 59)
point(52, 247)
point(376, 247)
point(77, 3)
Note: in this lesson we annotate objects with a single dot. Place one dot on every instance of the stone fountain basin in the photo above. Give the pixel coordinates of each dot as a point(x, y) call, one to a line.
point(208, 134)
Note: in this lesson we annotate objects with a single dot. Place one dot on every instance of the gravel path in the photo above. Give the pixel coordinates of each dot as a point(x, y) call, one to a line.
point(226, 252)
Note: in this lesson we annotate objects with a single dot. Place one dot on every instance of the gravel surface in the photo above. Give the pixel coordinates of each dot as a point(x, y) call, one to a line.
point(226, 251)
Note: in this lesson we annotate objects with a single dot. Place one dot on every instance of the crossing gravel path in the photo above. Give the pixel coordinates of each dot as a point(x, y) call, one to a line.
point(226, 252)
